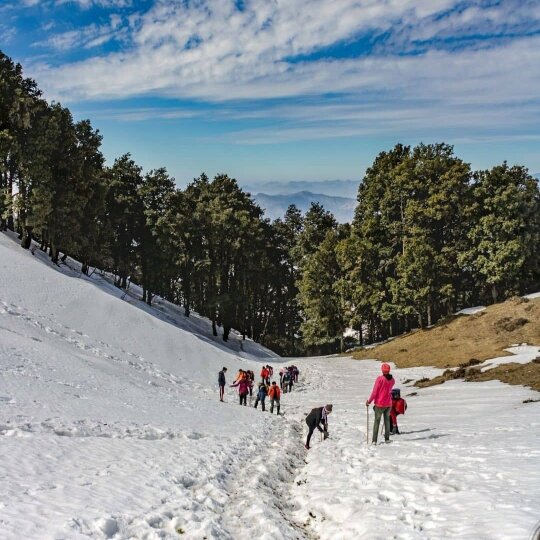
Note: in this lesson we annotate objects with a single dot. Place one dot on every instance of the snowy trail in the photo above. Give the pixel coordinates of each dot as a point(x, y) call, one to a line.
point(110, 428)
point(465, 466)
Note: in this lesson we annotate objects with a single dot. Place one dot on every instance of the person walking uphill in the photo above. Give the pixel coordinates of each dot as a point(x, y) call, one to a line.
point(222, 383)
point(382, 396)
point(261, 395)
point(274, 393)
point(314, 420)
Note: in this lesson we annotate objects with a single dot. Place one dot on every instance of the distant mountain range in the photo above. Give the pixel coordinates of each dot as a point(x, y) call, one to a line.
point(275, 206)
point(332, 188)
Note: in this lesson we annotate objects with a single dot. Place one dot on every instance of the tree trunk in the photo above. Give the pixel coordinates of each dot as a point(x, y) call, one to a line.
point(494, 293)
point(429, 313)
point(226, 331)
point(214, 329)
point(26, 241)
point(149, 297)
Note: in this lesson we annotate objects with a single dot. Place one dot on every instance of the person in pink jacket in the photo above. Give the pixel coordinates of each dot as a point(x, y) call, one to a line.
point(243, 389)
point(381, 395)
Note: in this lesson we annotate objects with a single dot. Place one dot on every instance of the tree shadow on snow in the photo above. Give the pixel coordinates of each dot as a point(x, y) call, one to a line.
point(417, 431)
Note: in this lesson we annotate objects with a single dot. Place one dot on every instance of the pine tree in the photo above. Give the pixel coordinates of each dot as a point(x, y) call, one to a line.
point(124, 214)
point(504, 232)
point(320, 298)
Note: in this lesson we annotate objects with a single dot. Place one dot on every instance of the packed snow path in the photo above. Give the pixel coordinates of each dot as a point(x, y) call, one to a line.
point(465, 466)
point(110, 427)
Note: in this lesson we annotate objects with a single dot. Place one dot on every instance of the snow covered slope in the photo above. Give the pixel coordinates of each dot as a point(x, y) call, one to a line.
point(110, 427)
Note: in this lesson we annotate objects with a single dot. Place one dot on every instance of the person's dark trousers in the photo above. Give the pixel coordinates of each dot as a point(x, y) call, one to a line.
point(243, 399)
point(385, 413)
point(290, 386)
point(250, 391)
point(262, 403)
point(272, 401)
point(311, 426)
point(221, 391)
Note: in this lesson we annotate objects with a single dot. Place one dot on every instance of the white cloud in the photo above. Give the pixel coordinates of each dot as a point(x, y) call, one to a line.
point(86, 37)
point(85, 4)
point(212, 52)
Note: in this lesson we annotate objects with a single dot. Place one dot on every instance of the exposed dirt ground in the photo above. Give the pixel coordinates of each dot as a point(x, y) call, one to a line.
point(460, 338)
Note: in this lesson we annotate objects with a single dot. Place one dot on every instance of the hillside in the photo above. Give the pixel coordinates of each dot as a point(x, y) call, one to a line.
point(467, 339)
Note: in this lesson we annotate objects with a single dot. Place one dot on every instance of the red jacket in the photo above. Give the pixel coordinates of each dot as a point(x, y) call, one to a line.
point(274, 392)
point(382, 391)
point(399, 406)
point(264, 373)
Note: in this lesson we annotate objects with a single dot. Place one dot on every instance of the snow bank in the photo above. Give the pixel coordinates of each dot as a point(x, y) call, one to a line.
point(471, 310)
point(521, 354)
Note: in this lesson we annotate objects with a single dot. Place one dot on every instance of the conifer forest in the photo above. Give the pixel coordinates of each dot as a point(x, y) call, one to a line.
point(429, 236)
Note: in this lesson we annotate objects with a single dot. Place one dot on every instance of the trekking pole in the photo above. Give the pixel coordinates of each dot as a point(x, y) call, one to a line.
point(367, 424)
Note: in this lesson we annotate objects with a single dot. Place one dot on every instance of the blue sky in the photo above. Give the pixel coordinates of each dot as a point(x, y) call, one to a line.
point(287, 90)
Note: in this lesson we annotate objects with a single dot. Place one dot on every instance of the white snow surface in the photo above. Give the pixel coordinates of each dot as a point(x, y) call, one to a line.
point(521, 354)
point(532, 295)
point(111, 427)
point(471, 310)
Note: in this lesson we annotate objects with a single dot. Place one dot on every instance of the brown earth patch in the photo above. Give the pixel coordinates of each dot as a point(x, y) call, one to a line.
point(461, 338)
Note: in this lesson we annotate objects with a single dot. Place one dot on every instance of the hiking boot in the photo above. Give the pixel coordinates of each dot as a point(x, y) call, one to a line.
point(306, 447)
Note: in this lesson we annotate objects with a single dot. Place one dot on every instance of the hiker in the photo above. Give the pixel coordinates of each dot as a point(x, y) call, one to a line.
point(291, 381)
point(243, 389)
point(314, 420)
point(281, 373)
point(222, 383)
point(399, 406)
point(274, 394)
point(251, 379)
point(285, 381)
point(270, 370)
point(296, 372)
point(261, 395)
point(240, 375)
point(264, 374)
point(381, 395)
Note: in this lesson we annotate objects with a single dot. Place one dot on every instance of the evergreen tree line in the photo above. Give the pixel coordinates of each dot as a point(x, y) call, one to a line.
point(428, 236)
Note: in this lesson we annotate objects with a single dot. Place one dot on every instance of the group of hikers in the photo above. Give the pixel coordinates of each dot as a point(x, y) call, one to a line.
point(387, 400)
point(245, 381)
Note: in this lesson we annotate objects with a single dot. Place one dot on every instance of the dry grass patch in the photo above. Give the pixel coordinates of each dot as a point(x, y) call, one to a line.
point(459, 339)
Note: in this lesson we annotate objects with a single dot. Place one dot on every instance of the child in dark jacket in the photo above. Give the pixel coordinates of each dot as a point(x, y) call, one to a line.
point(261, 395)
point(399, 406)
